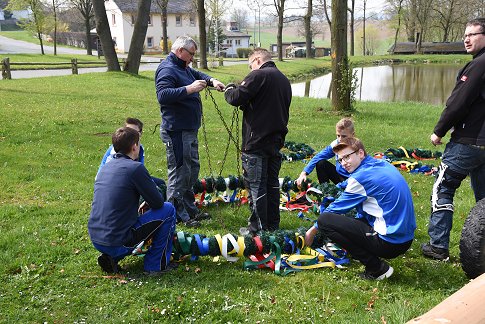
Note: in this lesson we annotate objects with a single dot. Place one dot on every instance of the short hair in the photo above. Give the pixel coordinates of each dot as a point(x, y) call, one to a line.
point(477, 22)
point(353, 142)
point(345, 123)
point(134, 121)
point(183, 42)
point(261, 52)
point(124, 138)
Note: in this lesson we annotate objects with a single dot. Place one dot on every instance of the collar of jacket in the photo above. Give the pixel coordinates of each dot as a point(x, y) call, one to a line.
point(120, 156)
point(267, 64)
point(479, 53)
point(177, 61)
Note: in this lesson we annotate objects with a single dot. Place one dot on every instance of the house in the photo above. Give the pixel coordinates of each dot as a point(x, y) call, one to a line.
point(234, 39)
point(181, 20)
point(9, 19)
point(429, 48)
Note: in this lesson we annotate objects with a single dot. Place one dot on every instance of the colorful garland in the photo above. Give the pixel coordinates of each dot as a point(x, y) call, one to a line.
point(282, 251)
point(395, 157)
point(298, 151)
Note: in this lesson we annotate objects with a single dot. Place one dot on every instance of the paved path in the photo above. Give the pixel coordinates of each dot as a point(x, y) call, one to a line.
point(12, 46)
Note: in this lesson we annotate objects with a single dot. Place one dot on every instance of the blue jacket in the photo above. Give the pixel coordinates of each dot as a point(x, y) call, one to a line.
point(117, 191)
point(325, 154)
point(179, 110)
point(381, 195)
point(110, 153)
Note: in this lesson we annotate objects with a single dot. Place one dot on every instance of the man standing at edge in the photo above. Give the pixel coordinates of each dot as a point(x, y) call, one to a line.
point(264, 97)
point(178, 86)
point(464, 154)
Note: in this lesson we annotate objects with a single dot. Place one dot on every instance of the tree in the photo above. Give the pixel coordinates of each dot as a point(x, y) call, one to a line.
point(132, 63)
point(104, 34)
point(352, 25)
point(280, 10)
point(202, 34)
point(163, 7)
point(241, 17)
point(341, 82)
point(308, 30)
point(37, 23)
point(85, 7)
point(215, 11)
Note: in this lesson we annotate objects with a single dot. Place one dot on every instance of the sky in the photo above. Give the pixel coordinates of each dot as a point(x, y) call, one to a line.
point(371, 6)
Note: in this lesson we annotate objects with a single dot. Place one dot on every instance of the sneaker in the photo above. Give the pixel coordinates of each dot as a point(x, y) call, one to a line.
point(384, 272)
point(171, 266)
point(243, 231)
point(434, 252)
point(108, 264)
point(202, 216)
point(192, 223)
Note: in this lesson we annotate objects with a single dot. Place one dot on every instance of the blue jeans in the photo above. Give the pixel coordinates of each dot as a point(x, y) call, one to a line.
point(157, 224)
point(183, 170)
point(459, 160)
point(260, 174)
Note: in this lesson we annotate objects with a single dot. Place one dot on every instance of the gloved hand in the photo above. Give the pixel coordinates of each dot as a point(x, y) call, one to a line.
point(230, 86)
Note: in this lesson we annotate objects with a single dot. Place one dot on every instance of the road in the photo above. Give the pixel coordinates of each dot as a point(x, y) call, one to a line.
point(11, 46)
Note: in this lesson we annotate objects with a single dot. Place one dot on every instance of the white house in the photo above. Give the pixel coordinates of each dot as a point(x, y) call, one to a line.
point(181, 20)
point(234, 39)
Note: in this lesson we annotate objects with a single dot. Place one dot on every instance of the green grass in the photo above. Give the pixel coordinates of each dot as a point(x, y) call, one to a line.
point(52, 138)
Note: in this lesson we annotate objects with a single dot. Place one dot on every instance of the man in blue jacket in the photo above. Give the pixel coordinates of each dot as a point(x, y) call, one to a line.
point(385, 222)
point(114, 226)
point(178, 86)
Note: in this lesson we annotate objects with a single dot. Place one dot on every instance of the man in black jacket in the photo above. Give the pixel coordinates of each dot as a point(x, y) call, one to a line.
point(264, 96)
point(464, 154)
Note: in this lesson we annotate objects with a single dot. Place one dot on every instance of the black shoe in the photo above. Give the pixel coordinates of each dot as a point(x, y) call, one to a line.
point(107, 263)
point(433, 252)
point(170, 267)
point(384, 272)
point(192, 223)
point(202, 216)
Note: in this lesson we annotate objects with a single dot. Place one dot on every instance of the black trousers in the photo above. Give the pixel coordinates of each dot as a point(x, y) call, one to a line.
point(359, 239)
point(326, 172)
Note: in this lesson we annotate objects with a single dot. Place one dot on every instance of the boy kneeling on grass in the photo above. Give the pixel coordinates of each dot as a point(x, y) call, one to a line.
point(114, 226)
point(385, 222)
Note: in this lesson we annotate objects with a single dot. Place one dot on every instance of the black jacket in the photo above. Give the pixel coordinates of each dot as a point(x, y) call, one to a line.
point(465, 108)
point(265, 97)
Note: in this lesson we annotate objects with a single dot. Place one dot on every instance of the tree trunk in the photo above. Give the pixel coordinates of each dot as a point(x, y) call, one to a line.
point(132, 63)
point(87, 24)
point(351, 25)
point(340, 83)
point(54, 10)
point(308, 30)
point(398, 25)
point(280, 9)
point(164, 28)
point(104, 34)
point(202, 34)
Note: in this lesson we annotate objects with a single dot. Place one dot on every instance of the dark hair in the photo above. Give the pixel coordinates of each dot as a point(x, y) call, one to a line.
point(353, 142)
point(477, 22)
point(134, 121)
point(124, 138)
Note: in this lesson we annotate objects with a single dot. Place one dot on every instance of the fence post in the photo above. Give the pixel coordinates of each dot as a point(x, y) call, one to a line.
point(6, 74)
point(74, 66)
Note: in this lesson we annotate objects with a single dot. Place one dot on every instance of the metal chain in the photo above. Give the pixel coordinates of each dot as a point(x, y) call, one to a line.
point(206, 144)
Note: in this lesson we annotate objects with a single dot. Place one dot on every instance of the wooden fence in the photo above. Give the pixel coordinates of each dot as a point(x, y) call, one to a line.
point(74, 65)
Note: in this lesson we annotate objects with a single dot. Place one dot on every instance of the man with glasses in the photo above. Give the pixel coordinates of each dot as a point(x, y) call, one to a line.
point(264, 96)
point(385, 222)
point(178, 86)
point(464, 154)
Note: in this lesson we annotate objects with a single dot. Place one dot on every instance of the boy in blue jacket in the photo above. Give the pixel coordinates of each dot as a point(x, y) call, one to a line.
point(385, 222)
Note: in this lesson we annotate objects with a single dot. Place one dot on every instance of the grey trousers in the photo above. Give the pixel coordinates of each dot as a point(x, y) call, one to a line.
point(183, 170)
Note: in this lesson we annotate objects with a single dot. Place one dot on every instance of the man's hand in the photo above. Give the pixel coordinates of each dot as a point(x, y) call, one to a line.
point(435, 139)
point(301, 178)
point(196, 86)
point(218, 85)
point(144, 207)
point(310, 235)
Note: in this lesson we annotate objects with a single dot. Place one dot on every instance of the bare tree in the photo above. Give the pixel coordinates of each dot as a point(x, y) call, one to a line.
point(104, 34)
point(132, 63)
point(163, 7)
point(240, 16)
point(340, 85)
point(202, 34)
point(85, 7)
point(280, 11)
point(308, 30)
point(351, 25)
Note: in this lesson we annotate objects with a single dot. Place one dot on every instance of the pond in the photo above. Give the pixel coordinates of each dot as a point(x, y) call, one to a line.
point(429, 83)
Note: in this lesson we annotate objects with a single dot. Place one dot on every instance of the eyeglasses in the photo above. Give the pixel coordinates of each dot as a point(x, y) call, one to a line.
point(471, 34)
point(191, 53)
point(251, 62)
point(346, 157)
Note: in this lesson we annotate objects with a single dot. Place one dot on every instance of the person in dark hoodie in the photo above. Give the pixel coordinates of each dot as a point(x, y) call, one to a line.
point(178, 86)
point(464, 154)
point(264, 96)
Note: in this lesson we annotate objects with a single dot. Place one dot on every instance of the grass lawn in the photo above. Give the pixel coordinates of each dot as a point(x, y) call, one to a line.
point(54, 133)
